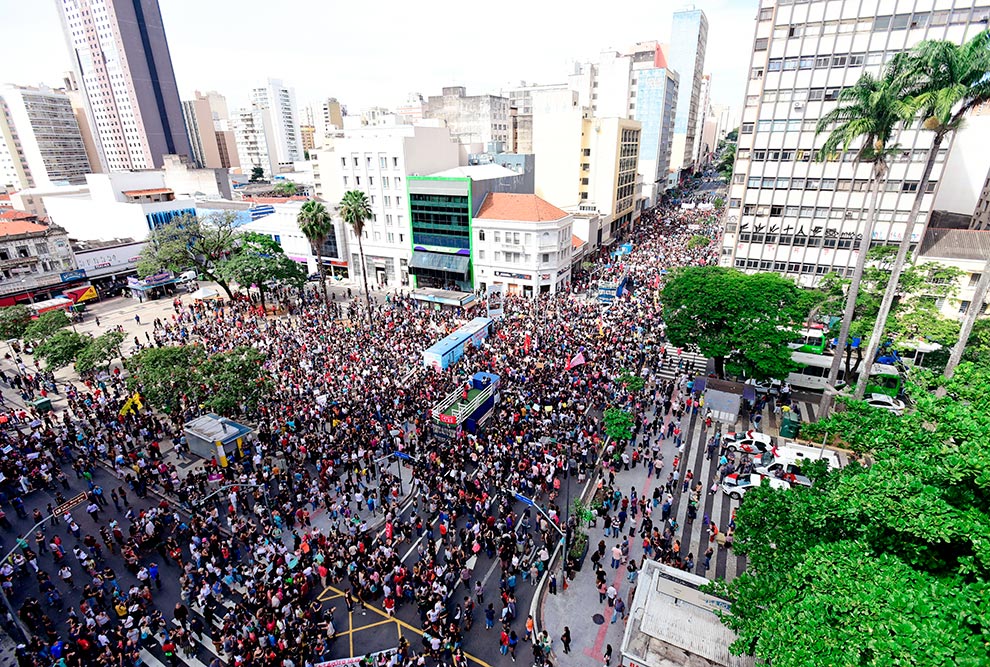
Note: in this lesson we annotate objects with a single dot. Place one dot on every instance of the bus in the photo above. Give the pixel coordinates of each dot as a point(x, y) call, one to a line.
point(813, 369)
point(813, 340)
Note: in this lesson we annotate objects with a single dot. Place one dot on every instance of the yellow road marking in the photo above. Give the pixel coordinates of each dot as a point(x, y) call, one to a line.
point(398, 621)
point(364, 627)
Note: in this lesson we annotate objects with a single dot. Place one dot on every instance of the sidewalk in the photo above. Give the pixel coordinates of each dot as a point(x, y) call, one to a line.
point(578, 607)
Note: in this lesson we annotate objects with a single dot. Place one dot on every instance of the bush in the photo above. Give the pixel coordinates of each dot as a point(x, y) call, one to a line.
point(698, 241)
point(630, 380)
point(579, 541)
point(618, 424)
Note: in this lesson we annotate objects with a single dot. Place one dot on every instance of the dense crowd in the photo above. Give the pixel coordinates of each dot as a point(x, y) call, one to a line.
point(251, 562)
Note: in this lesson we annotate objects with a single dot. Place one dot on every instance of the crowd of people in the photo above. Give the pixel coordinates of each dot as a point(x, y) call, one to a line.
point(239, 540)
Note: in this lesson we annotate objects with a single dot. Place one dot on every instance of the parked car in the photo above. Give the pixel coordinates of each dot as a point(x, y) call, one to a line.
point(186, 277)
point(313, 277)
point(749, 442)
point(885, 402)
point(736, 485)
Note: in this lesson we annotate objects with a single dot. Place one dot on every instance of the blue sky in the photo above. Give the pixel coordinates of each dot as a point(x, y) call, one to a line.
point(376, 52)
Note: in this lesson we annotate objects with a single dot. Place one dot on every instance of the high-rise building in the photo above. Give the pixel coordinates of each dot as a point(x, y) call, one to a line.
point(255, 140)
point(688, 40)
point(279, 103)
point(121, 59)
point(520, 98)
point(327, 117)
point(703, 148)
point(78, 101)
point(636, 84)
point(210, 135)
point(40, 141)
point(787, 212)
point(472, 119)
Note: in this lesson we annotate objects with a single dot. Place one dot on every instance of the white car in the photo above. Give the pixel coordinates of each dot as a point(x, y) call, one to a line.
point(735, 485)
point(749, 442)
point(885, 402)
point(186, 277)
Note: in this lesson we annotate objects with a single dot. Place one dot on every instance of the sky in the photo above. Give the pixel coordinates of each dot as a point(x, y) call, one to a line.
point(376, 53)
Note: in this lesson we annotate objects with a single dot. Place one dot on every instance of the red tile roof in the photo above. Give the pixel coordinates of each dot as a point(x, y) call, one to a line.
point(527, 208)
point(17, 215)
point(152, 191)
point(576, 241)
point(14, 227)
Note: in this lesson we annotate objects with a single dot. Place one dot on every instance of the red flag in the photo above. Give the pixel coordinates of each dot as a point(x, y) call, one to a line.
point(576, 361)
point(526, 344)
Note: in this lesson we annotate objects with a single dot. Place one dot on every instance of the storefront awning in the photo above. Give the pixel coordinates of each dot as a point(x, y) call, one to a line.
point(433, 263)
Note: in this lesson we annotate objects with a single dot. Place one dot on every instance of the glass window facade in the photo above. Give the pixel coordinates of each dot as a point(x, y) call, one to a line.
point(441, 220)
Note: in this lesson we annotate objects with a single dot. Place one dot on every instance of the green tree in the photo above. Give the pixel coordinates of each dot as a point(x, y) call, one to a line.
point(316, 225)
point(977, 349)
point(201, 243)
point(261, 262)
point(618, 424)
point(61, 347)
point(943, 82)
point(46, 325)
point(869, 114)
point(726, 162)
point(733, 135)
point(285, 188)
point(630, 380)
point(233, 379)
point(99, 352)
point(355, 210)
point(726, 313)
point(969, 323)
point(257, 174)
point(698, 241)
point(166, 376)
point(14, 320)
point(878, 565)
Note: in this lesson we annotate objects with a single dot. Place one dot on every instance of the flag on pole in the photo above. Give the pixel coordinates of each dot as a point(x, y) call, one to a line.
point(576, 361)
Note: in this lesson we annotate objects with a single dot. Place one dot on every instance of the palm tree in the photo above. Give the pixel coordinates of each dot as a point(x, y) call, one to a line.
point(869, 111)
point(943, 81)
point(355, 210)
point(316, 225)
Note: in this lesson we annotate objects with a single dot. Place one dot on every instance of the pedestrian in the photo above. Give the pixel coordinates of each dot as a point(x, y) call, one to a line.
point(619, 610)
point(513, 642)
point(608, 655)
point(565, 639)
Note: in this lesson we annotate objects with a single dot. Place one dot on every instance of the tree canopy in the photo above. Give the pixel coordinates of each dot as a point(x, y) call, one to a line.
point(726, 313)
point(99, 352)
point(46, 325)
point(880, 565)
point(260, 261)
point(191, 242)
point(60, 348)
point(14, 320)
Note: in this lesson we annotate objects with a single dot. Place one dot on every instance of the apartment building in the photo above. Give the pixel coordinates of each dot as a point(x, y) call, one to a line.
point(122, 62)
point(212, 141)
point(688, 42)
point(801, 218)
point(35, 259)
point(254, 136)
point(40, 140)
point(472, 119)
point(278, 102)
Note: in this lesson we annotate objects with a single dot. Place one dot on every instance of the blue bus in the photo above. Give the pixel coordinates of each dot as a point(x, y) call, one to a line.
point(451, 348)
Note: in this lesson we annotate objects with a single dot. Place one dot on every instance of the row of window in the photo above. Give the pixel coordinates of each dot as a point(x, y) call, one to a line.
point(792, 267)
point(866, 59)
point(521, 258)
point(808, 155)
point(383, 162)
point(830, 184)
point(816, 212)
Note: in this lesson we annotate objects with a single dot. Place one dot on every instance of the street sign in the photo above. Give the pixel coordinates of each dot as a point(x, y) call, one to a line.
point(69, 504)
point(403, 456)
point(523, 499)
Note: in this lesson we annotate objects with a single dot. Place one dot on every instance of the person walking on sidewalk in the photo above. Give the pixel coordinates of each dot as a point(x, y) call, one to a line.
point(565, 639)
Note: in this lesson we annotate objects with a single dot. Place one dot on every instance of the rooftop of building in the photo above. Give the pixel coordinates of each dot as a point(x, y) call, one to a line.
point(13, 214)
point(971, 244)
point(149, 191)
point(82, 245)
point(522, 207)
point(477, 172)
point(18, 227)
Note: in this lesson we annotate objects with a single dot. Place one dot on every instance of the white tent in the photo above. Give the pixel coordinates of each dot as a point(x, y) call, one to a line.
point(204, 294)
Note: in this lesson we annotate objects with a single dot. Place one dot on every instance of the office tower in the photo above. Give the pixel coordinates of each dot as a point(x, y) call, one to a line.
point(688, 39)
point(40, 141)
point(703, 146)
point(211, 139)
point(122, 62)
point(279, 104)
point(637, 84)
point(255, 140)
point(787, 212)
point(327, 118)
point(78, 101)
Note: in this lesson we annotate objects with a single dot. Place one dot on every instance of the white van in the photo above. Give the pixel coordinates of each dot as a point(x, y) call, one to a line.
point(789, 457)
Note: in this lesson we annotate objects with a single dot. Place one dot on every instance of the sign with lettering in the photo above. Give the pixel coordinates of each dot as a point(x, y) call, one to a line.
point(69, 504)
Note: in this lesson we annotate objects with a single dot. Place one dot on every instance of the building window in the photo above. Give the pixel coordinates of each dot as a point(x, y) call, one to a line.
point(546, 257)
point(963, 307)
point(761, 44)
point(974, 279)
point(383, 162)
point(481, 254)
point(481, 234)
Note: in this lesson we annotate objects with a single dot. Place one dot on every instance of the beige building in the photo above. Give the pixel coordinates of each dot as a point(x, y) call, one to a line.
point(965, 249)
point(472, 119)
point(212, 141)
point(586, 162)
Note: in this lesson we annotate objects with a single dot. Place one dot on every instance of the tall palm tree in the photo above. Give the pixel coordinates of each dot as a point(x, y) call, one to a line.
point(355, 210)
point(943, 82)
point(869, 111)
point(316, 225)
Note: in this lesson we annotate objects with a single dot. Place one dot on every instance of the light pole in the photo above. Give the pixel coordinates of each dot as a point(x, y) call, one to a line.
point(402, 456)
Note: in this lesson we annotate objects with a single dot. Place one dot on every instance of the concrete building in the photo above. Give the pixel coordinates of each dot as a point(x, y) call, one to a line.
point(472, 119)
point(106, 262)
point(981, 212)
point(703, 149)
point(185, 180)
point(254, 136)
point(118, 205)
point(378, 161)
point(636, 84)
point(966, 165)
point(413, 109)
point(521, 112)
point(307, 134)
point(122, 62)
point(688, 41)
point(585, 161)
point(40, 141)
point(522, 164)
point(786, 212)
point(522, 242)
point(211, 139)
point(282, 225)
point(36, 261)
point(965, 249)
point(442, 208)
point(327, 117)
point(279, 103)
point(77, 99)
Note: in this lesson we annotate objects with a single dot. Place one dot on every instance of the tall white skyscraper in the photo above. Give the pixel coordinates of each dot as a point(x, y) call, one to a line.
point(279, 103)
point(788, 213)
point(688, 40)
point(122, 62)
point(40, 141)
point(255, 140)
